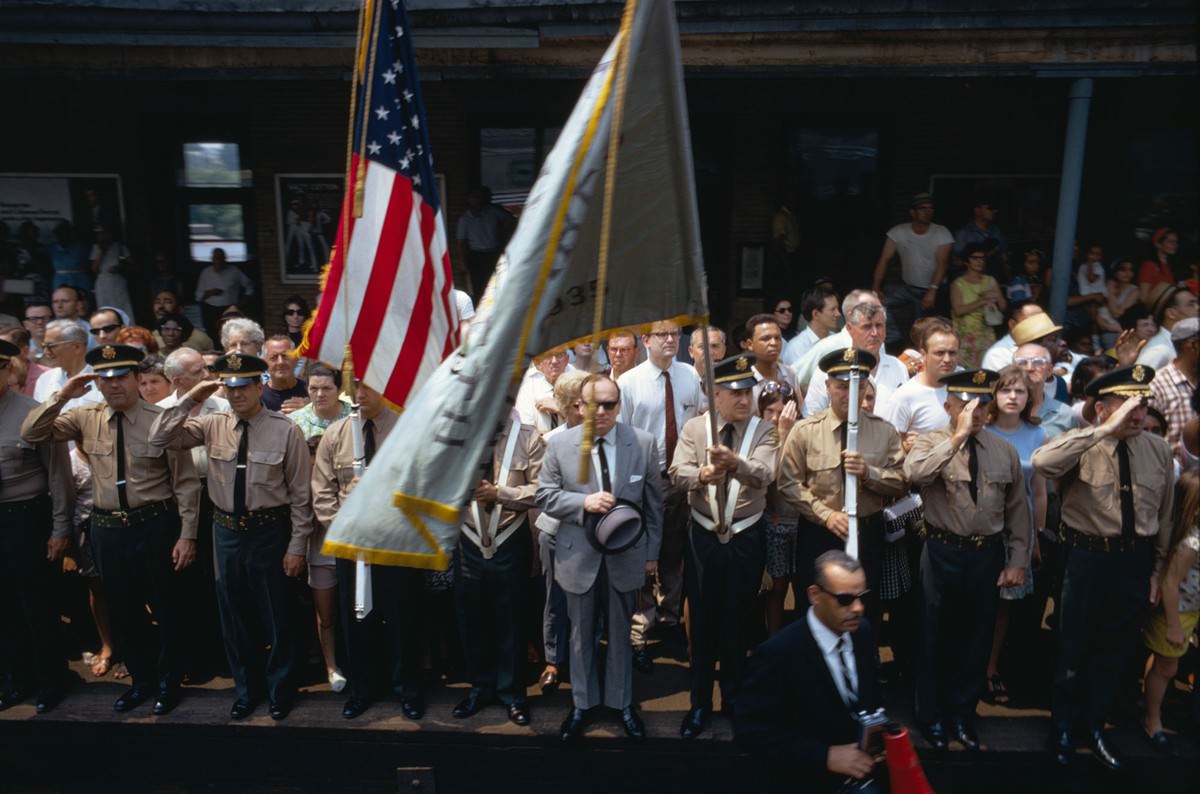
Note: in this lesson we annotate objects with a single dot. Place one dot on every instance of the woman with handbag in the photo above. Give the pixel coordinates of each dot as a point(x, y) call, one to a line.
point(976, 304)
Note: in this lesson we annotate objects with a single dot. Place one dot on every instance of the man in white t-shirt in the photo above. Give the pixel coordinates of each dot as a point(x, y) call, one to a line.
point(924, 250)
point(819, 307)
point(919, 405)
point(866, 325)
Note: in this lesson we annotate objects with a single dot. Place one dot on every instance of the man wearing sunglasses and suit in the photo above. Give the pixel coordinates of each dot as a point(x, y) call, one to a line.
point(606, 549)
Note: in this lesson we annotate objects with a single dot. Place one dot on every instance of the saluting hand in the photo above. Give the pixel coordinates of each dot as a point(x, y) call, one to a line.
point(184, 553)
point(77, 385)
point(203, 390)
point(966, 418)
point(1119, 419)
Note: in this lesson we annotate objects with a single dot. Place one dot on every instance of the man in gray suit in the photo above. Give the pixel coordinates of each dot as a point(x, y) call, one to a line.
point(624, 470)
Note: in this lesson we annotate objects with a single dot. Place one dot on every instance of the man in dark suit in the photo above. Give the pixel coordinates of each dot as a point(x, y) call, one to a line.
point(625, 467)
point(796, 709)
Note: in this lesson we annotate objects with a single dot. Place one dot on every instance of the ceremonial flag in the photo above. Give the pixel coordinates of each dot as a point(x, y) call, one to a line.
point(387, 291)
point(407, 508)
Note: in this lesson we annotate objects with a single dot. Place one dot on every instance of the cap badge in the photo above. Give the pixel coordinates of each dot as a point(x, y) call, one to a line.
point(848, 356)
point(109, 352)
point(1139, 373)
point(743, 364)
point(234, 361)
point(979, 377)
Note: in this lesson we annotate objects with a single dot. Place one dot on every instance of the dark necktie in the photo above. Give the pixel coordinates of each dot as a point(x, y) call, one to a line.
point(122, 497)
point(672, 430)
point(368, 441)
point(844, 647)
point(973, 468)
point(239, 478)
point(605, 479)
point(1128, 517)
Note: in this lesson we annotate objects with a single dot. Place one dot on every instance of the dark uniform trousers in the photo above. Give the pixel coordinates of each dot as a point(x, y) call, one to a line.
point(721, 580)
point(393, 631)
point(254, 601)
point(489, 597)
point(31, 648)
point(957, 608)
point(1105, 597)
point(199, 598)
point(134, 562)
point(814, 540)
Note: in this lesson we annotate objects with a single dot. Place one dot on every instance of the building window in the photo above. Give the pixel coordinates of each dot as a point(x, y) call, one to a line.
point(509, 159)
point(216, 200)
point(209, 164)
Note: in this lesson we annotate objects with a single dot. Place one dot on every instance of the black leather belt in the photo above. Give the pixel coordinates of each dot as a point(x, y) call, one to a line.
point(252, 519)
point(954, 541)
point(1074, 539)
point(39, 502)
point(111, 519)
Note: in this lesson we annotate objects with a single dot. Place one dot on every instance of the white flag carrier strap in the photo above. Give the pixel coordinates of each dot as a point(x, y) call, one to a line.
point(488, 542)
point(735, 488)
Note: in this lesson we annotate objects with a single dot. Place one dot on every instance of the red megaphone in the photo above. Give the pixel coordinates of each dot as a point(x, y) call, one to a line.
point(904, 768)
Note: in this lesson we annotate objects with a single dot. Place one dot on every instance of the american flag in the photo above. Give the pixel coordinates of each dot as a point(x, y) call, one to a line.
point(387, 293)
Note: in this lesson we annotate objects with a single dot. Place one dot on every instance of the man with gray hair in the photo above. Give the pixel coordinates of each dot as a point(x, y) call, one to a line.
point(866, 324)
point(807, 365)
point(65, 346)
point(716, 347)
point(242, 335)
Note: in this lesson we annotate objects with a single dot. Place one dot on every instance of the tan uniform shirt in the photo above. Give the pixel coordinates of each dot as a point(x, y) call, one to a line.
point(151, 475)
point(754, 472)
point(942, 472)
point(27, 472)
point(811, 475)
point(333, 475)
point(515, 496)
point(278, 471)
point(1085, 465)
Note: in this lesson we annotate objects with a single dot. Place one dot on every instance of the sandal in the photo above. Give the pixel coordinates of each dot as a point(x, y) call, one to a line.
point(101, 665)
point(997, 691)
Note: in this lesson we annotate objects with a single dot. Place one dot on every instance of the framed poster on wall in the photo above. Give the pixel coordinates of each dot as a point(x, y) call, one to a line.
point(307, 207)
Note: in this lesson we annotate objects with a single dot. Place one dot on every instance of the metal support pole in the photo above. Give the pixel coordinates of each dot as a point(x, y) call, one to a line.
point(1068, 193)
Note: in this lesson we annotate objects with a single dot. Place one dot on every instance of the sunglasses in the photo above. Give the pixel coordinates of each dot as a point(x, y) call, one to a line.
point(105, 329)
point(607, 405)
point(784, 309)
point(293, 312)
point(775, 387)
point(1031, 362)
point(845, 599)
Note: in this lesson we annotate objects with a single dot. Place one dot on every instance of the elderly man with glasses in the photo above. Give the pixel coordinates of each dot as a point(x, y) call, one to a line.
point(65, 346)
point(1056, 416)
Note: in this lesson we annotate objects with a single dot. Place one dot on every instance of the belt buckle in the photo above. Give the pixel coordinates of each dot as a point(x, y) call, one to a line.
point(121, 515)
point(1106, 543)
point(979, 540)
point(240, 522)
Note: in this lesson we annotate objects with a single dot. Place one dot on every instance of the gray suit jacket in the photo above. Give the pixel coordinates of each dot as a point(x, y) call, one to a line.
point(560, 495)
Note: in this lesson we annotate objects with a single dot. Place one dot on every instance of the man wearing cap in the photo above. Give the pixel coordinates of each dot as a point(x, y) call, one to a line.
point(258, 479)
point(598, 557)
point(1117, 499)
point(37, 496)
point(1175, 384)
point(974, 494)
point(396, 593)
point(726, 477)
point(924, 250)
point(143, 523)
point(1169, 305)
point(812, 474)
point(491, 574)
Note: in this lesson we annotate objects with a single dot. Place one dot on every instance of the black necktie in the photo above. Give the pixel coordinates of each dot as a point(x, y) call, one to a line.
point(239, 478)
point(122, 498)
point(972, 468)
point(605, 480)
point(368, 441)
point(1128, 517)
point(843, 647)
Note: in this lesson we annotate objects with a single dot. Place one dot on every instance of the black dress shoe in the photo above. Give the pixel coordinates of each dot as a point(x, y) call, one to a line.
point(46, 701)
point(935, 734)
point(573, 725)
point(135, 696)
point(471, 705)
point(634, 728)
point(242, 709)
point(518, 713)
point(965, 734)
point(642, 661)
point(1102, 752)
point(413, 708)
point(1161, 741)
point(168, 698)
point(280, 709)
point(694, 723)
point(354, 707)
point(11, 698)
point(1060, 745)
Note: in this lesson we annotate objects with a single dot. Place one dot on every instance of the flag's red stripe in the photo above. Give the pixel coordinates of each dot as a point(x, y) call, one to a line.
point(388, 249)
point(451, 315)
point(416, 337)
point(337, 263)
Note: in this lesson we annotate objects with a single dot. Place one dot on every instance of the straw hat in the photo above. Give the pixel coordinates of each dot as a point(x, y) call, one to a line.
point(1033, 328)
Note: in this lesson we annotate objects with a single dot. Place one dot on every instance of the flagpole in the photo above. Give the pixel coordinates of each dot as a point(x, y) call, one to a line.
point(610, 178)
point(850, 501)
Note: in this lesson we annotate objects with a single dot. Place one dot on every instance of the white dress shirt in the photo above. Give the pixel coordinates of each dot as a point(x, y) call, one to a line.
point(535, 387)
point(644, 397)
point(828, 642)
point(1000, 354)
point(889, 376)
point(610, 455)
point(800, 344)
point(808, 365)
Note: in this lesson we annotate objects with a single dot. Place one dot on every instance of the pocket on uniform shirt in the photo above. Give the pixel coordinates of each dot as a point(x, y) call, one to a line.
point(1101, 484)
point(1148, 487)
point(995, 493)
point(140, 449)
point(266, 468)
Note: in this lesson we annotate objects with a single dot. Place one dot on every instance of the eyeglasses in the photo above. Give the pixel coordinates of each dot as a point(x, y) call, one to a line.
point(774, 387)
point(1040, 361)
point(48, 346)
point(665, 335)
point(293, 312)
point(784, 310)
point(845, 599)
point(608, 405)
point(105, 329)
point(38, 318)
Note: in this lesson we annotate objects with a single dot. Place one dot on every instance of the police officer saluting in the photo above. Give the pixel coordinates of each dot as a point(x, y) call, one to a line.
point(1117, 498)
point(725, 553)
point(973, 490)
point(144, 520)
point(36, 507)
point(258, 479)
